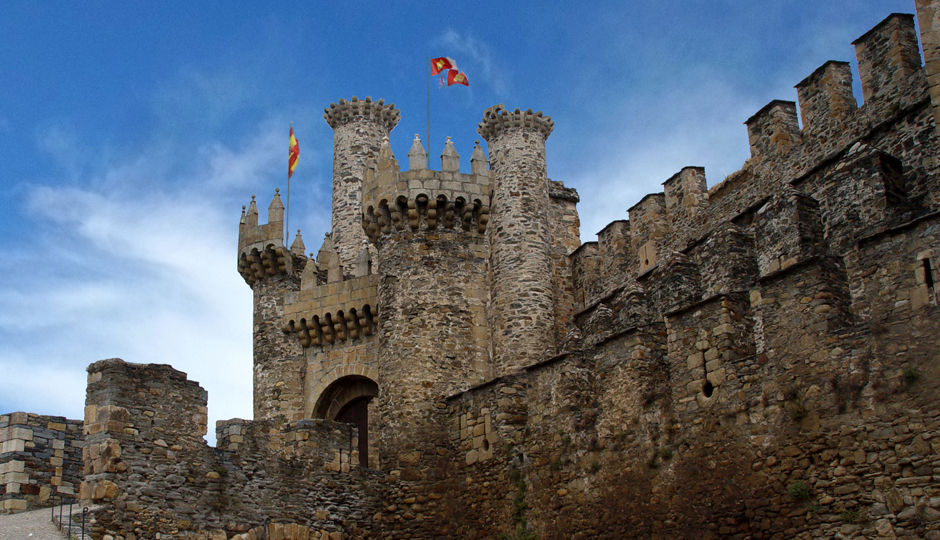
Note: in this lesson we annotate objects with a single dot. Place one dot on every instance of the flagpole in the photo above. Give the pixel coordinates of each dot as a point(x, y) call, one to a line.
point(428, 142)
point(287, 211)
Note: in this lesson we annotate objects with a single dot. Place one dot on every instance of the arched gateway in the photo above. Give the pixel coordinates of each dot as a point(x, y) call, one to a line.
point(347, 400)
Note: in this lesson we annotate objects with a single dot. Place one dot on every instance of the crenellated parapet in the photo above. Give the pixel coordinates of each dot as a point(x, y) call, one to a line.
point(497, 119)
point(887, 55)
point(826, 99)
point(650, 230)
point(251, 234)
point(860, 164)
point(261, 251)
point(344, 112)
point(394, 201)
point(774, 130)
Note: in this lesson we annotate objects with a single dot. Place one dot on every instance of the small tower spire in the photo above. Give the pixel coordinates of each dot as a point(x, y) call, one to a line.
point(298, 246)
point(276, 208)
point(251, 219)
point(478, 162)
point(417, 156)
point(450, 159)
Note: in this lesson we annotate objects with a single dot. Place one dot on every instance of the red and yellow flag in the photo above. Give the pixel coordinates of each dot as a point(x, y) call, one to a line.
point(455, 77)
point(442, 64)
point(293, 152)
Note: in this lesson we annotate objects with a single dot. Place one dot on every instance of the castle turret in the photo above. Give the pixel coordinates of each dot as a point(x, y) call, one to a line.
point(269, 268)
point(428, 228)
point(520, 240)
point(358, 129)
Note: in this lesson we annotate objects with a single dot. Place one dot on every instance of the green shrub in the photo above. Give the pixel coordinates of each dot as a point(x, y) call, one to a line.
point(850, 516)
point(910, 375)
point(799, 491)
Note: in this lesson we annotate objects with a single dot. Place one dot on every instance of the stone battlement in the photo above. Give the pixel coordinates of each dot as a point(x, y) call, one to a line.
point(337, 115)
point(396, 201)
point(498, 118)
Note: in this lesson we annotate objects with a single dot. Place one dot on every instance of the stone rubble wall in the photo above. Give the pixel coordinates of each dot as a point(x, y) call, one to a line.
point(565, 239)
point(359, 126)
point(522, 314)
point(762, 362)
point(149, 469)
point(279, 361)
point(40, 460)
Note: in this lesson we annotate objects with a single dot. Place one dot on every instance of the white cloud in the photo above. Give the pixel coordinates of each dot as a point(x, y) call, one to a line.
point(481, 58)
point(139, 264)
point(677, 129)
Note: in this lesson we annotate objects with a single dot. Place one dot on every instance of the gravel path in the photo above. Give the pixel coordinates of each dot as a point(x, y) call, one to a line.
point(33, 525)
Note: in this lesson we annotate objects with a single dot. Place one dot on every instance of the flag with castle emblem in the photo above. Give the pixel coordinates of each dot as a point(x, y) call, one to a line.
point(442, 64)
point(293, 152)
point(457, 77)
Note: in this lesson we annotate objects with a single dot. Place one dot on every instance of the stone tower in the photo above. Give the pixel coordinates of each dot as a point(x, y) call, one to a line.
point(428, 228)
point(522, 311)
point(358, 129)
point(269, 268)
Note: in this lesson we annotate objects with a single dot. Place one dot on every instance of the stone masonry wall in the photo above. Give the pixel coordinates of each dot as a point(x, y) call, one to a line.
point(40, 459)
point(566, 238)
point(359, 126)
point(522, 306)
point(279, 361)
point(792, 391)
point(148, 468)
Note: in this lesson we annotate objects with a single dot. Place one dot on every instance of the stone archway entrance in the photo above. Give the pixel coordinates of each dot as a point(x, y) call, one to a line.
point(347, 400)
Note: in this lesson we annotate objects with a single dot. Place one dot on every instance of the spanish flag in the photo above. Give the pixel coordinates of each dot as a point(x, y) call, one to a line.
point(455, 77)
point(293, 152)
point(441, 64)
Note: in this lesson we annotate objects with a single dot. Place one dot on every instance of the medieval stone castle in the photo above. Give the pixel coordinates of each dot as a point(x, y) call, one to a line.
point(754, 360)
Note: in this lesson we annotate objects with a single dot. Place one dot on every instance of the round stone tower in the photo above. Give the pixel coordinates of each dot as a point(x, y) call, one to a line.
point(358, 129)
point(428, 228)
point(522, 308)
point(272, 271)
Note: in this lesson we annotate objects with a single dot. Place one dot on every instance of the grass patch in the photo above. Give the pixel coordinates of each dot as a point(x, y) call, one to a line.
point(799, 491)
point(910, 375)
point(850, 516)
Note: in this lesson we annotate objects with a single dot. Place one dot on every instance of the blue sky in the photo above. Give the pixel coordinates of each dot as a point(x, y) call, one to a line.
point(132, 133)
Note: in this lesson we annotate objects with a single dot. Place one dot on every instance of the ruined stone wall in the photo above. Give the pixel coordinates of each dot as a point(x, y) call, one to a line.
point(145, 460)
point(486, 491)
point(40, 460)
point(304, 473)
point(148, 467)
